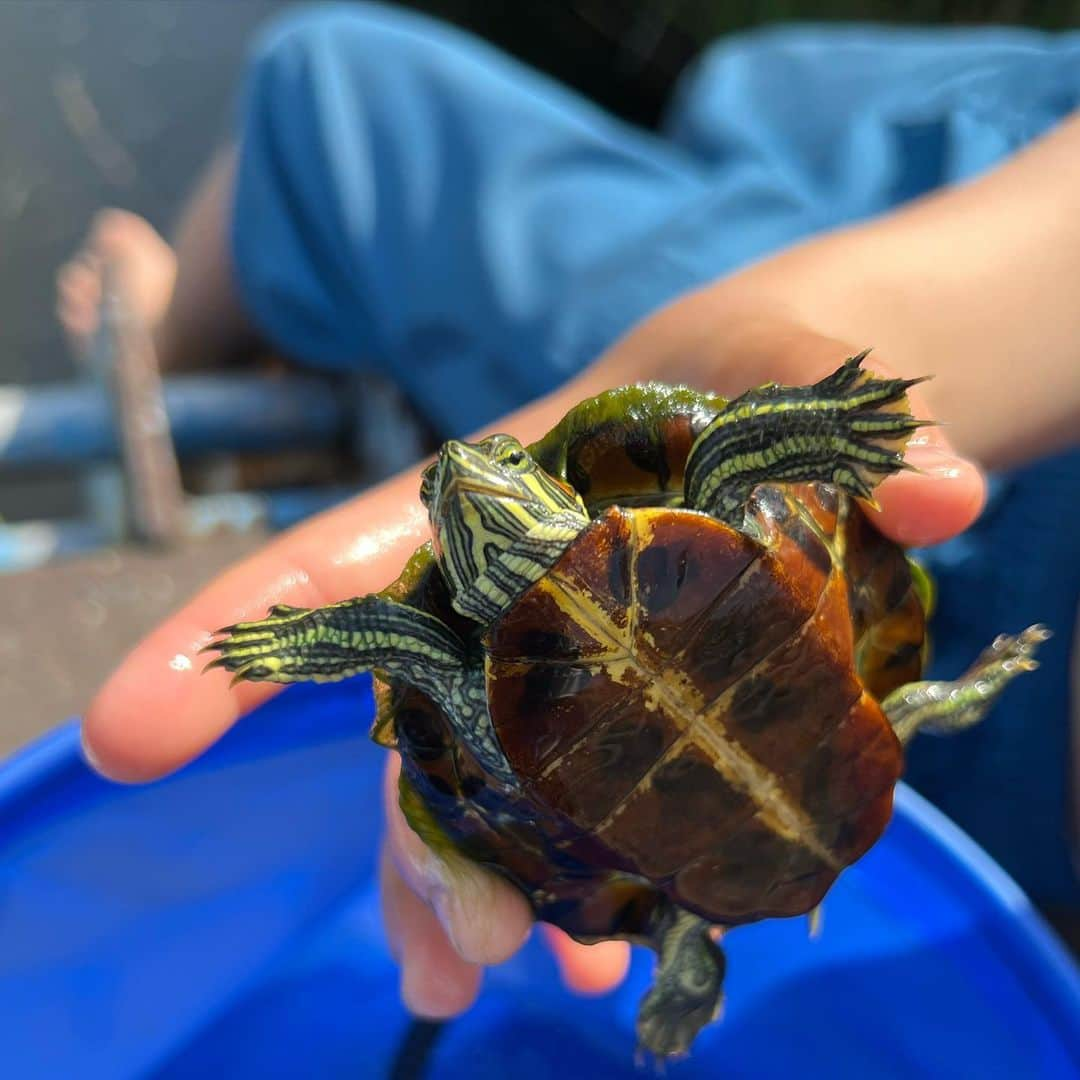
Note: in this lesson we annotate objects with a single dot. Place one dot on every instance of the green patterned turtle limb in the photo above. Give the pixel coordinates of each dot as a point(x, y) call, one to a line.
point(371, 633)
point(849, 429)
point(658, 668)
point(944, 707)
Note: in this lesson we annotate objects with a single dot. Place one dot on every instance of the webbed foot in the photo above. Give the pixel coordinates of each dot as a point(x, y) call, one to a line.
point(944, 707)
point(686, 994)
point(330, 643)
point(848, 429)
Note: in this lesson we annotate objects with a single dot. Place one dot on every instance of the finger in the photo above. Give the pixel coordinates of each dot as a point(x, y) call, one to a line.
point(435, 981)
point(588, 969)
point(484, 917)
point(941, 500)
point(158, 710)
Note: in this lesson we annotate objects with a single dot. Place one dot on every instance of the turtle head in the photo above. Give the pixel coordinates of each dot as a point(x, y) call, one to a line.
point(498, 521)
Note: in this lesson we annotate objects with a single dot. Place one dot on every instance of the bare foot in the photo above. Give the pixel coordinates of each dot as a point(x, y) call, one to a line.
point(144, 264)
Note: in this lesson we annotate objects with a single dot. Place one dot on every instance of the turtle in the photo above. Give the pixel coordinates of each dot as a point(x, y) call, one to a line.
point(659, 668)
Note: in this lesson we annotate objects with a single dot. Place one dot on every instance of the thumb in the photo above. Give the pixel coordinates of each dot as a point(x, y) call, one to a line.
point(484, 917)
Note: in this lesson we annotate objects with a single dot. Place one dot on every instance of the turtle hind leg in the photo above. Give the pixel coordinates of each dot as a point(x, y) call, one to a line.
point(849, 429)
point(687, 990)
point(943, 707)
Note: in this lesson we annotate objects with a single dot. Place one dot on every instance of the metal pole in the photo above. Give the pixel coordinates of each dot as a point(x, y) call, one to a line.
point(155, 497)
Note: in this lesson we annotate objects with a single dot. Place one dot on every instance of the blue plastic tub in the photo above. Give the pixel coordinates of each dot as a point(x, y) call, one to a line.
point(224, 923)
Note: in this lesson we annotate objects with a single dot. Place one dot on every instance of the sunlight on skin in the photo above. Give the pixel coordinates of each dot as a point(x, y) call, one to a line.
point(158, 710)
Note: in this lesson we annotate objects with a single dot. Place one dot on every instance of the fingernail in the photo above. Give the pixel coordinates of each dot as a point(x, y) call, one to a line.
point(88, 754)
point(465, 905)
point(448, 912)
point(441, 890)
point(937, 462)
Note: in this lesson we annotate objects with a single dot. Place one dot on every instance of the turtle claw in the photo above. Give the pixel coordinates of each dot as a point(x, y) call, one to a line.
point(942, 708)
point(217, 638)
point(252, 651)
point(664, 1039)
point(248, 669)
point(646, 1059)
point(1016, 651)
point(286, 609)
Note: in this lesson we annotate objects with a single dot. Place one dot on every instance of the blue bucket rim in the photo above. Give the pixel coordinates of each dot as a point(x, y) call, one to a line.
point(1024, 940)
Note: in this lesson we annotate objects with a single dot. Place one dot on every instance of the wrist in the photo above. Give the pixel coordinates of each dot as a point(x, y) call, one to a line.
point(724, 338)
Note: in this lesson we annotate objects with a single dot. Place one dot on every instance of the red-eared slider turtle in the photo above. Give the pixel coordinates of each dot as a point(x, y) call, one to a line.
point(658, 669)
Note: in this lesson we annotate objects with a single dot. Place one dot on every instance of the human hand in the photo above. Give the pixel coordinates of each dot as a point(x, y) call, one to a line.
point(445, 922)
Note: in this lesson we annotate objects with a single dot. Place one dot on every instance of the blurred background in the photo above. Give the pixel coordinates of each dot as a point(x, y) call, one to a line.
point(121, 103)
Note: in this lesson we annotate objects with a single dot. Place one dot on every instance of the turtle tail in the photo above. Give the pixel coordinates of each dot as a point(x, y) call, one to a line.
point(849, 429)
point(331, 643)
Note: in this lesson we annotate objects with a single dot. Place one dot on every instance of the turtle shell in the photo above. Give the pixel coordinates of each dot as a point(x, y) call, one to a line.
point(688, 694)
point(690, 710)
point(627, 446)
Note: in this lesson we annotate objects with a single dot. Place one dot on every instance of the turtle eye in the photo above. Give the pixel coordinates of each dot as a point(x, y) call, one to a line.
point(515, 457)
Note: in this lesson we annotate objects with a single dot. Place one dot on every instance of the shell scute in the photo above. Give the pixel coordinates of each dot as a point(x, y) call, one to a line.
point(683, 563)
point(753, 874)
point(607, 765)
point(660, 825)
point(708, 727)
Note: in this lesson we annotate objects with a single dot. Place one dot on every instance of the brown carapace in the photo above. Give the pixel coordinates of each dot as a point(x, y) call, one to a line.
point(682, 706)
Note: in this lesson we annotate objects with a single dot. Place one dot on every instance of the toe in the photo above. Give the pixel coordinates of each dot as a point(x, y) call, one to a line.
point(114, 232)
point(78, 292)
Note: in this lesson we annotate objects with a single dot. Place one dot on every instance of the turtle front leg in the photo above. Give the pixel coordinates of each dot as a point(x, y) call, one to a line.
point(372, 633)
point(331, 643)
point(686, 992)
point(943, 707)
point(849, 429)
